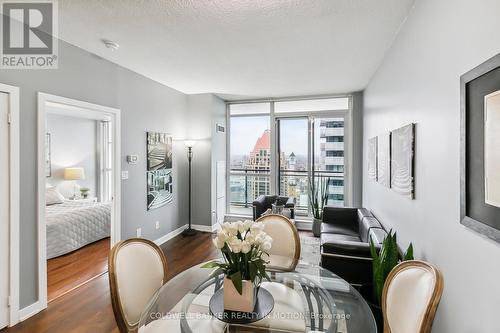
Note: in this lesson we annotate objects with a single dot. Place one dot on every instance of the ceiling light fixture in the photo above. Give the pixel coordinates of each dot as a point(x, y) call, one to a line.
point(110, 44)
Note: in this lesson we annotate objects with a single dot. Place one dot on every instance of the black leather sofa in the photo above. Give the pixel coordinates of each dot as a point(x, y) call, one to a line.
point(264, 202)
point(345, 247)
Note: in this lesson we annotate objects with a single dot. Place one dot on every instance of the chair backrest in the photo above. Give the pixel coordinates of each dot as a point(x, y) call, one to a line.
point(137, 269)
point(410, 297)
point(285, 251)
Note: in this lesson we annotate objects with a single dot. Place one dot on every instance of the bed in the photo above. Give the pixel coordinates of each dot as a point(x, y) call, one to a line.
point(74, 224)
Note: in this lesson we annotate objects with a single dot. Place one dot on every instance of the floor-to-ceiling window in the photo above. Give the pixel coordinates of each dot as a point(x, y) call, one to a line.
point(249, 155)
point(281, 146)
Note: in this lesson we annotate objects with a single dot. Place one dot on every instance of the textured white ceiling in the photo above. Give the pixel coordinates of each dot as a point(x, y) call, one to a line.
point(251, 48)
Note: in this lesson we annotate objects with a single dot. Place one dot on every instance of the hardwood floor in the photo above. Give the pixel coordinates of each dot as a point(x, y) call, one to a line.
point(88, 308)
point(69, 271)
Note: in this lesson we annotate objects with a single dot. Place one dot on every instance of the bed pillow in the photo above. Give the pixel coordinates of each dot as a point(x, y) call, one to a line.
point(52, 196)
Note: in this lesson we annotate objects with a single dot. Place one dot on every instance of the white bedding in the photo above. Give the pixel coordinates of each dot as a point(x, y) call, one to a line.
point(73, 224)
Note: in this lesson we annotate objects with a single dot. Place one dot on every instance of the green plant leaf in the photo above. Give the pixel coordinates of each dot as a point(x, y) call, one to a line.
point(409, 253)
point(392, 255)
point(252, 270)
point(216, 272)
point(211, 264)
point(237, 282)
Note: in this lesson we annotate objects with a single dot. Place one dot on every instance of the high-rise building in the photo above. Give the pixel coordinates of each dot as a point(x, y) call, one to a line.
point(332, 158)
point(259, 162)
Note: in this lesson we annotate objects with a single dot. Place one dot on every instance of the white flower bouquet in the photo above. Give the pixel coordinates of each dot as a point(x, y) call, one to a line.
point(243, 245)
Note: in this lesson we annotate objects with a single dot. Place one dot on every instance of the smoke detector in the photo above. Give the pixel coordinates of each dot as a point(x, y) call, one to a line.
point(110, 44)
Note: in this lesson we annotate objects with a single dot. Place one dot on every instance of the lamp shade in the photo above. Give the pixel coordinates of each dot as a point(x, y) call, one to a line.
point(74, 174)
point(189, 143)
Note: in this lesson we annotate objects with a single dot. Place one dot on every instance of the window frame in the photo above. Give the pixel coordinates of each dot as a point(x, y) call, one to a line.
point(274, 183)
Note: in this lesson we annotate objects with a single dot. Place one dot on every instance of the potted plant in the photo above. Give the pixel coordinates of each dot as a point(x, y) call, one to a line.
point(243, 245)
point(318, 199)
point(84, 192)
point(383, 262)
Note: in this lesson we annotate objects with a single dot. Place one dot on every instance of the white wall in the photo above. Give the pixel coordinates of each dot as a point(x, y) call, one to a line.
point(419, 82)
point(73, 144)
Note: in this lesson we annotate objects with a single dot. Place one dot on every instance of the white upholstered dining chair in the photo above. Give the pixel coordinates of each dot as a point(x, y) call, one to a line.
point(285, 251)
point(410, 297)
point(137, 269)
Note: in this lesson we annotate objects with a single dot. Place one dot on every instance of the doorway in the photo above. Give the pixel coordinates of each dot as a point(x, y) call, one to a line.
point(311, 149)
point(70, 204)
point(9, 205)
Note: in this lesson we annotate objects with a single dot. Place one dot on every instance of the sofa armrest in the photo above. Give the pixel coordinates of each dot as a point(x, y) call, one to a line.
point(259, 206)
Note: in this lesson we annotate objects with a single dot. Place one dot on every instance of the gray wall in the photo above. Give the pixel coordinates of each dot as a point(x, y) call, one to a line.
point(73, 143)
point(145, 106)
point(204, 110)
point(218, 152)
point(419, 82)
point(357, 151)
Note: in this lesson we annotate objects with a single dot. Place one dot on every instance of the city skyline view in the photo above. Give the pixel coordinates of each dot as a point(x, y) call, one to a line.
point(250, 158)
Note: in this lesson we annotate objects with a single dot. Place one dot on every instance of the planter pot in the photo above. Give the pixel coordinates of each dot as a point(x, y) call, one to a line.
point(233, 301)
point(316, 227)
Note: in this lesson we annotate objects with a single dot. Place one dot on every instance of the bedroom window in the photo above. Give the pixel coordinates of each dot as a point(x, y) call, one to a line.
point(106, 158)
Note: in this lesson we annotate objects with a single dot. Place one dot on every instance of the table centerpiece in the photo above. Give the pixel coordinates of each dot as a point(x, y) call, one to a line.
point(243, 245)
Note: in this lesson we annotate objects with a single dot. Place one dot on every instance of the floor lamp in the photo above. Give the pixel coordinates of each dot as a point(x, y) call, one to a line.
point(189, 144)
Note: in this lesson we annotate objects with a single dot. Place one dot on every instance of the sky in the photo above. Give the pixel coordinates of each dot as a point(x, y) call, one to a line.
point(246, 130)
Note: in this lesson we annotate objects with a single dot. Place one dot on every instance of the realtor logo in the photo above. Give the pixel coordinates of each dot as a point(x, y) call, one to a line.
point(29, 34)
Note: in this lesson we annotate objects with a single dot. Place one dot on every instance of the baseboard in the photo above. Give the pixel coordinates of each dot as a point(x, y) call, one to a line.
point(205, 228)
point(30, 311)
point(170, 235)
point(178, 231)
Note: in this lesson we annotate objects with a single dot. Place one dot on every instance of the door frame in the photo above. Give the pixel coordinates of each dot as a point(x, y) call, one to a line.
point(348, 149)
point(14, 201)
point(71, 106)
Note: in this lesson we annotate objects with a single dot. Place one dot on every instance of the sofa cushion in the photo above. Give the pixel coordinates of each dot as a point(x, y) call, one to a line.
point(367, 223)
point(341, 216)
point(327, 228)
point(344, 245)
point(327, 239)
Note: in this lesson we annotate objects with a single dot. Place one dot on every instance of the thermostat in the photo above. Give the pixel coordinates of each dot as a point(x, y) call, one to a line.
point(132, 159)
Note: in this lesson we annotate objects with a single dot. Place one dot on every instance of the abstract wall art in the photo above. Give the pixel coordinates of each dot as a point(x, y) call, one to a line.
point(384, 159)
point(372, 158)
point(402, 146)
point(159, 170)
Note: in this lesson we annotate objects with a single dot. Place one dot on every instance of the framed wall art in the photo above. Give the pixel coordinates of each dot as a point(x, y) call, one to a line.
point(372, 158)
point(384, 159)
point(159, 170)
point(402, 146)
point(480, 153)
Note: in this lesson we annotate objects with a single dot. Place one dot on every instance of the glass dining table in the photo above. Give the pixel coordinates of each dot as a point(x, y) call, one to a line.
point(309, 299)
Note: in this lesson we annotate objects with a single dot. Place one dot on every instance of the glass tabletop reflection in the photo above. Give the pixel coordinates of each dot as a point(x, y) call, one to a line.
point(309, 299)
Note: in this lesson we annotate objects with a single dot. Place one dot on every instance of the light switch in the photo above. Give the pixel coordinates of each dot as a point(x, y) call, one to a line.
point(124, 175)
point(132, 159)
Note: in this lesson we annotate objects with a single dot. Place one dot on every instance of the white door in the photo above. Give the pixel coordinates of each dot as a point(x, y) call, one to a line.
point(4, 209)
point(221, 191)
